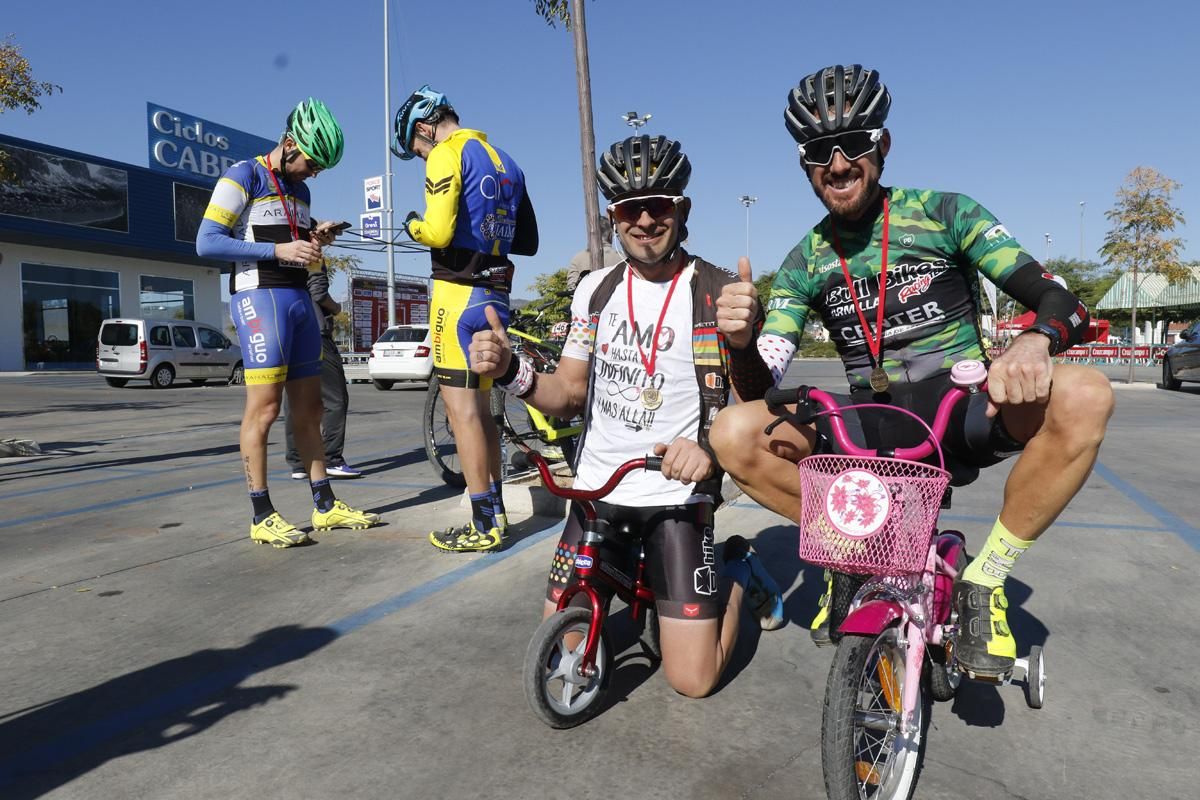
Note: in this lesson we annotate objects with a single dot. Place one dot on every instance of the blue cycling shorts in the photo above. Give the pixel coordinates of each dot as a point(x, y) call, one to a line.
point(455, 314)
point(279, 333)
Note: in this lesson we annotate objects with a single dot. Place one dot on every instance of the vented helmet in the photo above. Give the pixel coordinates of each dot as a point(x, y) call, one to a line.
point(643, 164)
point(836, 99)
point(316, 133)
point(423, 104)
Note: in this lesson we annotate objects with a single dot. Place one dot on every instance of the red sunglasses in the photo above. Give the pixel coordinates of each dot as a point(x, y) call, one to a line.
point(657, 206)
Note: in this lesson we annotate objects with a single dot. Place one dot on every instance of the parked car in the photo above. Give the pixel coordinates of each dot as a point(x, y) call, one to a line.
point(1182, 361)
point(161, 351)
point(402, 353)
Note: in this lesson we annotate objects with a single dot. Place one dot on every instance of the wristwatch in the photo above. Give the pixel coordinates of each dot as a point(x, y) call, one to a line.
point(1045, 330)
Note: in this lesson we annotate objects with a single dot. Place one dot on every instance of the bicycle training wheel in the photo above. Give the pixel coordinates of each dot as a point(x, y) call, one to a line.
point(557, 693)
point(440, 447)
point(864, 752)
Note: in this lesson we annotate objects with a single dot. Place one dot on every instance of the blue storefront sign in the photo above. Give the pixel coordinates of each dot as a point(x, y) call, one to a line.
point(183, 144)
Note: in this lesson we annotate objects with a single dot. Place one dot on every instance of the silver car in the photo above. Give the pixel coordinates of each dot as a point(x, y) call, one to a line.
point(161, 351)
point(1182, 362)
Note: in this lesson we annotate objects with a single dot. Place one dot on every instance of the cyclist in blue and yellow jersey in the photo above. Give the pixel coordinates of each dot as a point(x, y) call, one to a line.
point(894, 274)
point(259, 219)
point(477, 212)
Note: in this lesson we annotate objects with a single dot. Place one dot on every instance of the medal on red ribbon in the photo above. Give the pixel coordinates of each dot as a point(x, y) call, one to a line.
point(652, 398)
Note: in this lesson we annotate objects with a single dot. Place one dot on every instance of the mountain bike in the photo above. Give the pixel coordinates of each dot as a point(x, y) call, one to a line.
point(569, 659)
point(516, 421)
point(873, 521)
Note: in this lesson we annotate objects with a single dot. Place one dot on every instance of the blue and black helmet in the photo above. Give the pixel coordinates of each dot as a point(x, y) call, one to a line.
point(425, 103)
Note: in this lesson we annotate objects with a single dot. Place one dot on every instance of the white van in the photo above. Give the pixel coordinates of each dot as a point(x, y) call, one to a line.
point(160, 351)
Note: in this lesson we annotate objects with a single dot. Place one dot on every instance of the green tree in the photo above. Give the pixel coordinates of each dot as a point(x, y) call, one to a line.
point(552, 305)
point(554, 11)
point(346, 263)
point(1142, 220)
point(1088, 280)
point(18, 89)
point(763, 284)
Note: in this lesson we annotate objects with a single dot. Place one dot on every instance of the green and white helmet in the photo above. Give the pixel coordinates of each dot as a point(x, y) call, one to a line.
point(316, 133)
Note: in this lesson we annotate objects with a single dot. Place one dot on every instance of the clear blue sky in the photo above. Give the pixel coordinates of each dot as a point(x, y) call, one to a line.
point(1028, 107)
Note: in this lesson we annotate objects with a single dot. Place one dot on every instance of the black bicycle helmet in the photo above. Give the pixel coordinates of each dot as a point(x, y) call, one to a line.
point(835, 99)
point(643, 164)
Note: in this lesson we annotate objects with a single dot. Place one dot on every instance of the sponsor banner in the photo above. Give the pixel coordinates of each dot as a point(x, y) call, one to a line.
point(373, 193)
point(184, 144)
point(1102, 352)
point(371, 225)
point(368, 301)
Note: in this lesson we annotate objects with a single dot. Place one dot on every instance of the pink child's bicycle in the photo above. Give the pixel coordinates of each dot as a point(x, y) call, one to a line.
point(875, 518)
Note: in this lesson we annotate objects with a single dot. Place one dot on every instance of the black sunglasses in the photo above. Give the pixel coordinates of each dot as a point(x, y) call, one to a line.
point(853, 145)
point(657, 206)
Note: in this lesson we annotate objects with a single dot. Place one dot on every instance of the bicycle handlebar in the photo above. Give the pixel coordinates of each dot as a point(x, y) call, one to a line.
point(649, 463)
point(968, 377)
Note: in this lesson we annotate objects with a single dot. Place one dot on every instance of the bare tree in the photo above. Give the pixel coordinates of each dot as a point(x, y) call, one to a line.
point(1142, 219)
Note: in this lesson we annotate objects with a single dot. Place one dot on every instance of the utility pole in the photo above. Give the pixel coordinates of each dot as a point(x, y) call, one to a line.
point(1082, 203)
point(1046, 254)
point(747, 201)
point(387, 182)
point(587, 137)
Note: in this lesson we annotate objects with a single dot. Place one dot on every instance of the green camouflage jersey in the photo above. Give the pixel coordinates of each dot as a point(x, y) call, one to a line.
point(938, 244)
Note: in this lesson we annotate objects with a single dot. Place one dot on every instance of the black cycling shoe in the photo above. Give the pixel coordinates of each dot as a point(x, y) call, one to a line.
point(985, 647)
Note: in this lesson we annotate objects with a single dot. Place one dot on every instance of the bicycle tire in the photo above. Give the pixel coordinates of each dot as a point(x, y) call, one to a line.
point(440, 448)
point(516, 425)
point(545, 671)
point(850, 751)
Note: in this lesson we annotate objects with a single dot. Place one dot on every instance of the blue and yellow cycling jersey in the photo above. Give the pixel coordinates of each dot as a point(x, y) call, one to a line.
point(476, 212)
point(244, 221)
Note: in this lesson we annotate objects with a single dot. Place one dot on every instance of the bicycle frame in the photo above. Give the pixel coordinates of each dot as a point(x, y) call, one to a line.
point(548, 431)
point(591, 570)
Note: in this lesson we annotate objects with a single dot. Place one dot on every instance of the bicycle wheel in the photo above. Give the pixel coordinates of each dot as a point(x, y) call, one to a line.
point(557, 693)
point(440, 447)
point(516, 425)
point(864, 754)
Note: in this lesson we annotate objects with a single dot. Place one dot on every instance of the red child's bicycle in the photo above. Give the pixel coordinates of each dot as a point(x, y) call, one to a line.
point(569, 659)
point(875, 519)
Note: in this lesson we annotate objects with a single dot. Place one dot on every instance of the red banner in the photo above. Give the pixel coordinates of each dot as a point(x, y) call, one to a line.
point(368, 304)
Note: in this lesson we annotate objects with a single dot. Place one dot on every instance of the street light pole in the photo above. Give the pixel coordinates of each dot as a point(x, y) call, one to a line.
point(747, 201)
point(1082, 203)
point(1046, 254)
point(389, 214)
point(634, 121)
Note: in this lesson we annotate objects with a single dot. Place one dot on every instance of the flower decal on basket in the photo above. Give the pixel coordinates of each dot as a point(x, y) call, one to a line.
point(857, 503)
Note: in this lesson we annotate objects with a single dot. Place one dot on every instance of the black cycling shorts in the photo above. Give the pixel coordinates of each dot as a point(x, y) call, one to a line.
point(972, 440)
point(681, 565)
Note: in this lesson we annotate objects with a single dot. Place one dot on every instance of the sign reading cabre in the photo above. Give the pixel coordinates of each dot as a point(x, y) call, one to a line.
point(182, 144)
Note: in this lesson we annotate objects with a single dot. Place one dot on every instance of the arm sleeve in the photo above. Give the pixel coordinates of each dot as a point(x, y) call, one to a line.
point(525, 243)
point(581, 335)
point(994, 252)
point(229, 199)
point(443, 187)
point(318, 287)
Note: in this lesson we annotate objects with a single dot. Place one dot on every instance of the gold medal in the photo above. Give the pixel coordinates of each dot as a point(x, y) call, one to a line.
point(651, 398)
point(879, 380)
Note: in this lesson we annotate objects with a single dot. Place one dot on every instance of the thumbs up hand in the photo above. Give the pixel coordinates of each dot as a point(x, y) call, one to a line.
point(737, 307)
point(490, 351)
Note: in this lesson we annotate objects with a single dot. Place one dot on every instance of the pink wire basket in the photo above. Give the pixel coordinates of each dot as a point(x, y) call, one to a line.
point(868, 516)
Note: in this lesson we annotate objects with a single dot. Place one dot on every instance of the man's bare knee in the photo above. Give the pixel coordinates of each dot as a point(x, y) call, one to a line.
point(690, 683)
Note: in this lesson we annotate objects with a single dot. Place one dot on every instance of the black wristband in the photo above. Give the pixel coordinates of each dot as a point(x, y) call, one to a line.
point(510, 374)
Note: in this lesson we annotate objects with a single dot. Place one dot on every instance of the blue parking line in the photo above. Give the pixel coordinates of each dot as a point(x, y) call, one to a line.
point(94, 734)
point(1169, 521)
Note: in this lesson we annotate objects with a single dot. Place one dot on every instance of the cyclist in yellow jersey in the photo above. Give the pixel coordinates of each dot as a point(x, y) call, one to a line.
point(477, 212)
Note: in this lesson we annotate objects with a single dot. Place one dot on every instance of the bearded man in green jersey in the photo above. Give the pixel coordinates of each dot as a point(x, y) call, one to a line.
point(899, 330)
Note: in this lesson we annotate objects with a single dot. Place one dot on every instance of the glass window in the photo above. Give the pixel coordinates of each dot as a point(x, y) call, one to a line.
point(210, 339)
point(166, 298)
point(404, 335)
point(61, 312)
point(119, 334)
point(160, 336)
point(184, 337)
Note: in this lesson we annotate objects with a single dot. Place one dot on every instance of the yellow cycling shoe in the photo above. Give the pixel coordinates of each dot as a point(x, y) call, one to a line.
point(985, 647)
point(277, 532)
point(343, 516)
point(467, 539)
point(818, 630)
